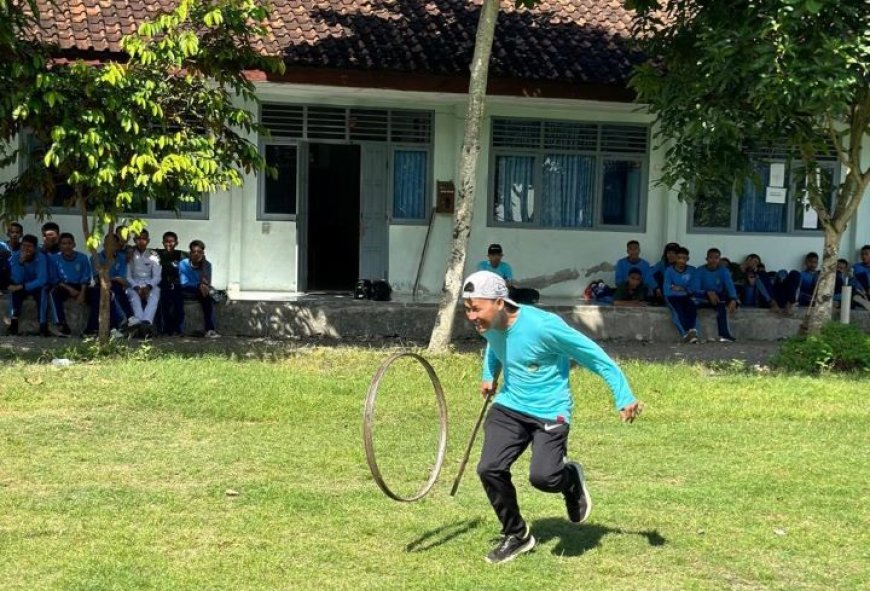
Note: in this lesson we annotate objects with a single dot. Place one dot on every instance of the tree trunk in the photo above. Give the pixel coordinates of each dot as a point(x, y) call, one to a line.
point(462, 218)
point(102, 269)
point(821, 307)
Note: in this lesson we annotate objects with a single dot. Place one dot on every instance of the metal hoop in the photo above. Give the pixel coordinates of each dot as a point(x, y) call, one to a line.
point(368, 428)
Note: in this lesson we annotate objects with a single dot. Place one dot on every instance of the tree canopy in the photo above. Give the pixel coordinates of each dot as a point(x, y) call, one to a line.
point(731, 80)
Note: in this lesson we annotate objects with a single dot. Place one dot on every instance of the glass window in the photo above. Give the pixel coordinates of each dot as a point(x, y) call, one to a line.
point(757, 214)
point(410, 171)
point(621, 192)
point(514, 189)
point(280, 191)
point(587, 175)
point(567, 191)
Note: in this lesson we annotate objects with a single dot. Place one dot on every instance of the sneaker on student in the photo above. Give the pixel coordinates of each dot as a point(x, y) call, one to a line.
point(212, 334)
point(132, 321)
point(509, 547)
point(727, 339)
point(692, 336)
point(12, 331)
point(63, 330)
point(116, 334)
point(577, 499)
point(43, 329)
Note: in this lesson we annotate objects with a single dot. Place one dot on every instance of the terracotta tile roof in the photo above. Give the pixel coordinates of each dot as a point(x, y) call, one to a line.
point(574, 41)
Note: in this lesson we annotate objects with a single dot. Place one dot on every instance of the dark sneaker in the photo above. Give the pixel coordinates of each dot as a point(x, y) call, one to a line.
point(727, 339)
point(63, 330)
point(13, 327)
point(43, 330)
point(509, 547)
point(577, 499)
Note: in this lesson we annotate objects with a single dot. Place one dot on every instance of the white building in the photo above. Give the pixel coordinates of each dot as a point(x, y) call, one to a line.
point(368, 120)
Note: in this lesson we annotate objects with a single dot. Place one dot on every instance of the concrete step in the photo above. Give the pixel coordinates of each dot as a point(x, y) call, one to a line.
point(343, 317)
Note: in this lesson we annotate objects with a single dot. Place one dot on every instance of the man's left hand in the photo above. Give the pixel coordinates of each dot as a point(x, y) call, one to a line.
point(630, 412)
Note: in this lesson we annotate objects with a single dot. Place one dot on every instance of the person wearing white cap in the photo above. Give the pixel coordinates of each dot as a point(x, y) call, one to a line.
point(533, 348)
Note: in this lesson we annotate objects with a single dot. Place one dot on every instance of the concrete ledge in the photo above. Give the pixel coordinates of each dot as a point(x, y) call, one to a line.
point(334, 317)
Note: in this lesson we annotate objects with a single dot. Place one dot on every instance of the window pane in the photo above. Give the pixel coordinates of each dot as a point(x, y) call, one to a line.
point(712, 208)
point(754, 213)
point(280, 195)
point(183, 206)
point(567, 186)
point(409, 184)
point(514, 189)
point(621, 191)
point(804, 215)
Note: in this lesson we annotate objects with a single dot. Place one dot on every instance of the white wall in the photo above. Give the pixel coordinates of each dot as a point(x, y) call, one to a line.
point(251, 255)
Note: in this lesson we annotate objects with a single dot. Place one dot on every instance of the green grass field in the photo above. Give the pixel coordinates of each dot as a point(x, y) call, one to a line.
point(207, 473)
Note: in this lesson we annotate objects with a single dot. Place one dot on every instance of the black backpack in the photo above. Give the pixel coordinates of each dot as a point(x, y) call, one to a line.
point(381, 291)
point(363, 290)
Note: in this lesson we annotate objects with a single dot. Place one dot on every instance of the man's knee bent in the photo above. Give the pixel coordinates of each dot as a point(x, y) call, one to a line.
point(546, 480)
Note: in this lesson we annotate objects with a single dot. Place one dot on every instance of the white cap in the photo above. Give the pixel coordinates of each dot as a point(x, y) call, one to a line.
point(486, 285)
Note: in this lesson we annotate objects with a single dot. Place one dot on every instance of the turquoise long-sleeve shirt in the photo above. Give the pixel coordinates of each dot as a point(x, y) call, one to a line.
point(535, 354)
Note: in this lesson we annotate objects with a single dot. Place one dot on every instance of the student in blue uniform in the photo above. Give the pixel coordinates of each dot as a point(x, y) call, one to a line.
point(29, 272)
point(678, 295)
point(861, 270)
point(633, 261)
point(195, 276)
point(712, 288)
point(657, 271)
point(74, 273)
point(534, 349)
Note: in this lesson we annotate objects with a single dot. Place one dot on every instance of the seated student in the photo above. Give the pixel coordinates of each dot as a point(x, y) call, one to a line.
point(678, 295)
point(861, 279)
point(171, 300)
point(28, 274)
point(633, 291)
point(74, 275)
point(809, 278)
point(8, 249)
point(657, 271)
point(633, 261)
point(712, 288)
point(119, 308)
point(750, 281)
point(195, 275)
point(495, 264)
point(50, 238)
point(143, 283)
point(841, 280)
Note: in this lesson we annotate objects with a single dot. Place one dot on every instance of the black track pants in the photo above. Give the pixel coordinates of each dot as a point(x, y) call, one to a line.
point(506, 435)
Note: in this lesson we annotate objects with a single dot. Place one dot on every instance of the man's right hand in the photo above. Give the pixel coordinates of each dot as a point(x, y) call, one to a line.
point(487, 389)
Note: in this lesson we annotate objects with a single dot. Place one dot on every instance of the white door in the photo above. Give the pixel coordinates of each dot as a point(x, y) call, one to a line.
point(373, 227)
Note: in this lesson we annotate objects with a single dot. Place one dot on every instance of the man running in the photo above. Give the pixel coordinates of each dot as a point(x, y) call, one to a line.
point(533, 348)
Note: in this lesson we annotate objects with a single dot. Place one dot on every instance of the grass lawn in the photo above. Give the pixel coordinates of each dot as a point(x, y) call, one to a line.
point(206, 473)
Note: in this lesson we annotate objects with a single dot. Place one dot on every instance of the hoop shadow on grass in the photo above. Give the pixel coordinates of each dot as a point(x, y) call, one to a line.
point(575, 540)
point(442, 535)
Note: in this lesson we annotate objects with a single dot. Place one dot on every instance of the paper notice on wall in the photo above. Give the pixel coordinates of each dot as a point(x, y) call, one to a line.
point(777, 175)
point(775, 194)
point(811, 219)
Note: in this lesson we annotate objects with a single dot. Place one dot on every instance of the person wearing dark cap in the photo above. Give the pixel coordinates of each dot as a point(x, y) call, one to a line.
point(533, 349)
point(495, 264)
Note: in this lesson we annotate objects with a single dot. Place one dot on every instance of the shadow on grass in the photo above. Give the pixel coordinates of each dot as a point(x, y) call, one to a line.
point(442, 535)
point(575, 540)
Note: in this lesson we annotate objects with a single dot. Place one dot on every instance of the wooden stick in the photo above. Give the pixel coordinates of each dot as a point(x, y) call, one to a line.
point(474, 431)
